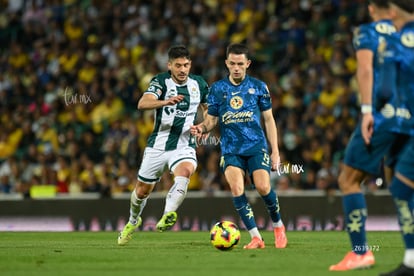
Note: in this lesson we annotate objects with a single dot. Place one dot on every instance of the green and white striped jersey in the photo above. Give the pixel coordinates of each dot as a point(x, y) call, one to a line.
point(172, 122)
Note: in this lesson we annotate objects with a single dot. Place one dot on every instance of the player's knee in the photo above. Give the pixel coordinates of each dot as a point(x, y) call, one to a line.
point(348, 182)
point(143, 190)
point(344, 184)
point(236, 190)
point(185, 169)
point(262, 188)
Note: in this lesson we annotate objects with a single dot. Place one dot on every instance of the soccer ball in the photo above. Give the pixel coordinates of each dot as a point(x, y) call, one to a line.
point(224, 235)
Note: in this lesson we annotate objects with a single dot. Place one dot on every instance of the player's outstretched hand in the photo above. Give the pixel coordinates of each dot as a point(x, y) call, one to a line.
point(196, 130)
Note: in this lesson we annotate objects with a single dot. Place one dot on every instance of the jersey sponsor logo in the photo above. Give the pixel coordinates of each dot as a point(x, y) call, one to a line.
point(408, 40)
point(385, 28)
point(237, 117)
point(169, 110)
point(182, 104)
point(172, 93)
point(236, 102)
point(178, 113)
point(389, 111)
point(183, 114)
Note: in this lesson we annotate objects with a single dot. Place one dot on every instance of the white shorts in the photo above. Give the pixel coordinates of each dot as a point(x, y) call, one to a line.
point(155, 162)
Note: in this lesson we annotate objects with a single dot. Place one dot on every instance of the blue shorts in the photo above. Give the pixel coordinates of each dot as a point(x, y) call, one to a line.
point(397, 150)
point(405, 164)
point(369, 158)
point(249, 163)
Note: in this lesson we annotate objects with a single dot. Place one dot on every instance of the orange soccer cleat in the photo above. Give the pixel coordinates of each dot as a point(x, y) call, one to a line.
point(255, 243)
point(353, 261)
point(280, 237)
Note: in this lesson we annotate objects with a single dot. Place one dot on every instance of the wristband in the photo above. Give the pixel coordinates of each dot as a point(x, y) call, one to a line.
point(366, 108)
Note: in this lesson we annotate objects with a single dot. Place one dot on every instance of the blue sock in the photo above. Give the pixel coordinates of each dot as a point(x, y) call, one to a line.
point(245, 211)
point(355, 211)
point(403, 199)
point(272, 205)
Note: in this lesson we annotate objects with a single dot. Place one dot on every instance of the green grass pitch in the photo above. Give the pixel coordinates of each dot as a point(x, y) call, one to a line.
point(184, 253)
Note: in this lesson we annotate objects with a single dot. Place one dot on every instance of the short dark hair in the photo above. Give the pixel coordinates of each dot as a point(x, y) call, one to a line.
point(178, 51)
point(406, 5)
point(381, 3)
point(238, 49)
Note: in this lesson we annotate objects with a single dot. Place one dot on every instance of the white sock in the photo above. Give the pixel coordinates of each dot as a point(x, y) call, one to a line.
point(136, 207)
point(176, 194)
point(277, 224)
point(409, 258)
point(254, 232)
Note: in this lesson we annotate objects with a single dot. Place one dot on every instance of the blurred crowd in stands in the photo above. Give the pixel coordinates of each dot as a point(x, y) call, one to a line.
point(71, 73)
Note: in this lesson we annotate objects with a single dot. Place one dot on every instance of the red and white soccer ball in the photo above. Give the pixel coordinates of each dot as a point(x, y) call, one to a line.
point(224, 235)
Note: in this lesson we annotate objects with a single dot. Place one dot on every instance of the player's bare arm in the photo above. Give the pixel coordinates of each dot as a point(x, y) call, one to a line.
point(204, 109)
point(149, 101)
point(206, 126)
point(365, 80)
point(271, 133)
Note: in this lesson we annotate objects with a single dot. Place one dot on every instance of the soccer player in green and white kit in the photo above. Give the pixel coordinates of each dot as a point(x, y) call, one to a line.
point(175, 96)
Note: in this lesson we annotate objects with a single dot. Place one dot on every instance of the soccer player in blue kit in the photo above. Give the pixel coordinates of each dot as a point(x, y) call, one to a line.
point(401, 53)
point(238, 102)
point(371, 139)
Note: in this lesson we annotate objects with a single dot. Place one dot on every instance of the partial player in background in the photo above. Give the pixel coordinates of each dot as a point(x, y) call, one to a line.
point(370, 140)
point(400, 72)
point(238, 102)
point(175, 96)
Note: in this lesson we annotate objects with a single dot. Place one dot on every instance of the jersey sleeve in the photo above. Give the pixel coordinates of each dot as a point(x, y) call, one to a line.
point(155, 87)
point(265, 101)
point(213, 102)
point(364, 38)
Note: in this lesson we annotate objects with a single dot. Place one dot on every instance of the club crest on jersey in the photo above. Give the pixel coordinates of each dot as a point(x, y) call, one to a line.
point(194, 95)
point(236, 102)
point(251, 91)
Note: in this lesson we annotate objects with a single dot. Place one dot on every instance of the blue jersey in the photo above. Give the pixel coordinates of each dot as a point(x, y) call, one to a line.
point(397, 77)
point(403, 57)
point(238, 108)
point(373, 36)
